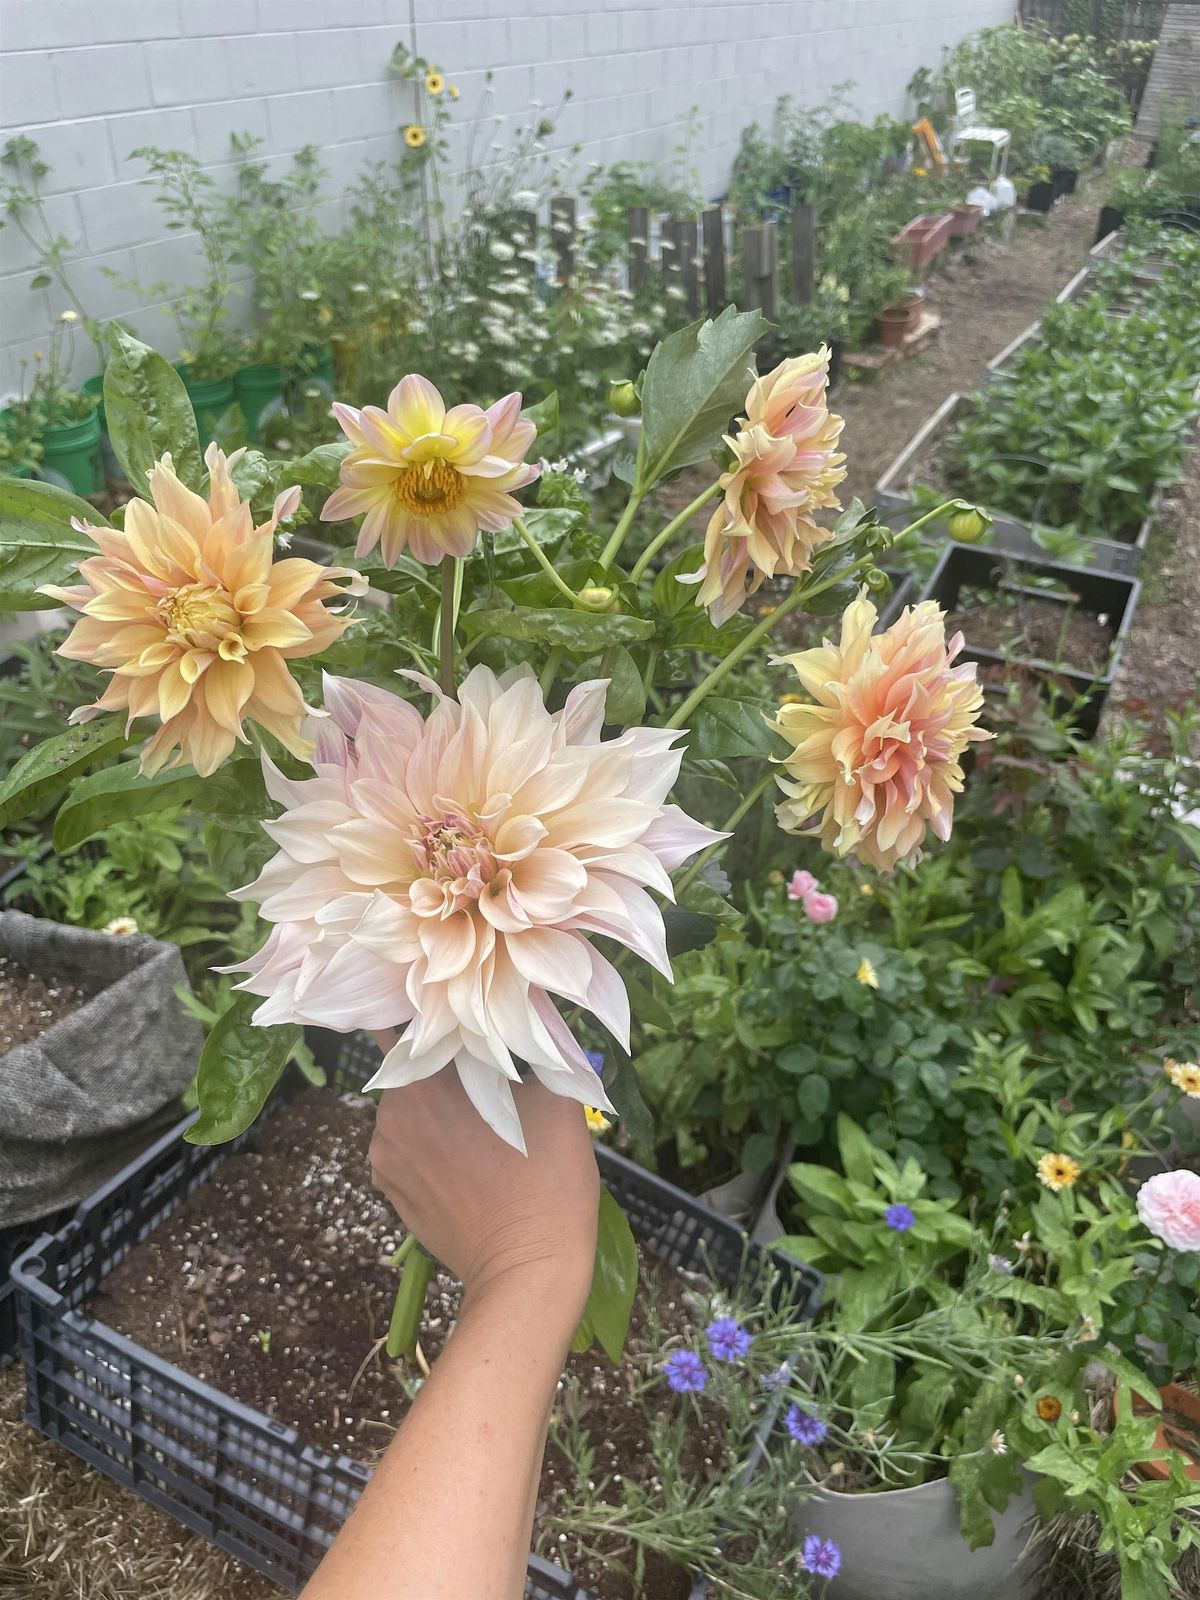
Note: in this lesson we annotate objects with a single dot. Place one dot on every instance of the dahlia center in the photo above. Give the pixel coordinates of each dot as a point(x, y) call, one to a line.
point(456, 854)
point(199, 615)
point(428, 488)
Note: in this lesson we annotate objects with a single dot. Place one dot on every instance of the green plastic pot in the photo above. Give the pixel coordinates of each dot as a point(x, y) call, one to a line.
point(316, 362)
point(112, 467)
point(71, 456)
point(211, 398)
point(259, 391)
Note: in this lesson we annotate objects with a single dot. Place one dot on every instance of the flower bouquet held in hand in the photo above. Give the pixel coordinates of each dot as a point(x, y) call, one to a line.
point(455, 815)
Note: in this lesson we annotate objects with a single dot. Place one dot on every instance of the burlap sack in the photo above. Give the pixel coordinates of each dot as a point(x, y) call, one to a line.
point(80, 1100)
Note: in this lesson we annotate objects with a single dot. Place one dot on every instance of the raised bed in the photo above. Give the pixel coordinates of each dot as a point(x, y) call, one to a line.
point(1103, 600)
point(920, 240)
point(1008, 533)
point(251, 1485)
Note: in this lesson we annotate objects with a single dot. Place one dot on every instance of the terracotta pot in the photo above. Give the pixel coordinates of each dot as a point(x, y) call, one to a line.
point(896, 320)
point(920, 240)
point(966, 219)
point(1178, 1429)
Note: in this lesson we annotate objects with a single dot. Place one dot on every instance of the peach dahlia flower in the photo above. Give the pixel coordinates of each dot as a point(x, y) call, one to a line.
point(444, 874)
point(429, 479)
point(195, 621)
point(788, 466)
point(876, 750)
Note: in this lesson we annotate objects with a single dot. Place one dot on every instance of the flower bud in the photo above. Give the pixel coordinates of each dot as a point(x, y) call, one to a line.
point(623, 399)
point(969, 525)
point(597, 597)
point(877, 581)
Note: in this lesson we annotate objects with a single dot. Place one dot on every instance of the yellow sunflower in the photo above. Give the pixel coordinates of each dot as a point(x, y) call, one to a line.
point(414, 136)
point(1057, 1172)
point(434, 81)
point(454, 91)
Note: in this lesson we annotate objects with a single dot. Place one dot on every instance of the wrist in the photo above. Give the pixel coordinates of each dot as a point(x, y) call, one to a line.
point(548, 1293)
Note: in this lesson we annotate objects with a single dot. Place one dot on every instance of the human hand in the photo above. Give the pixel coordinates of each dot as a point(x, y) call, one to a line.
point(489, 1213)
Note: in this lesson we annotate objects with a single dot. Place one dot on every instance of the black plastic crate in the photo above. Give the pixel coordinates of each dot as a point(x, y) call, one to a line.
point(14, 1241)
point(1097, 593)
point(250, 1485)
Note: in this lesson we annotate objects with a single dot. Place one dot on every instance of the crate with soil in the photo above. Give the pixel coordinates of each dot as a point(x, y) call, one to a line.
point(1066, 626)
point(925, 463)
point(208, 1330)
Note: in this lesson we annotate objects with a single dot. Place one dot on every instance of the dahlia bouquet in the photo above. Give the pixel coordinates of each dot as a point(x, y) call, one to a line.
point(454, 813)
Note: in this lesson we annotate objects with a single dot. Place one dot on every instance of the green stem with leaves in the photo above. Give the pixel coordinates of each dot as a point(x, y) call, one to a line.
point(544, 562)
point(447, 618)
point(625, 522)
point(730, 823)
point(672, 527)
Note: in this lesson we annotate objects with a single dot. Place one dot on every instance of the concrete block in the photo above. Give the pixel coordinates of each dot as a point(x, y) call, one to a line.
point(299, 119)
point(185, 71)
point(214, 123)
point(28, 88)
point(329, 57)
point(263, 63)
point(104, 78)
point(34, 25)
point(62, 218)
point(168, 127)
point(367, 109)
point(123, 214)
point(135, 21)
point(27, 313)
point(218, 18)
point(78, 153)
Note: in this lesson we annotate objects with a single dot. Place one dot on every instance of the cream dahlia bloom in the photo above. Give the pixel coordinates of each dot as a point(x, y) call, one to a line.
point(443, 875)
point(788, 466)
point(429, 479)
point(876, 750)
point(195, 622)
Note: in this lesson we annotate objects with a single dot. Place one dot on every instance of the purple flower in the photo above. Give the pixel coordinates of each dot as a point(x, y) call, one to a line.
point(772, 1381)
point(727, 1339)
point(804, 1427)
point(899, 1217)
point(821, 1556)
point(685, 1372)
point(595, 1060)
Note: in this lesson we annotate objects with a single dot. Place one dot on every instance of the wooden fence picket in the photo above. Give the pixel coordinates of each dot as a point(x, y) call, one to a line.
point(712, 223)
point(760, 269)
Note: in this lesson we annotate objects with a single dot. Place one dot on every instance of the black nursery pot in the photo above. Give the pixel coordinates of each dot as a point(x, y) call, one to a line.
point(1097, 594)
point(1040, 197)
point(1110, 219)
point(1064, 180)
point(249, 1484)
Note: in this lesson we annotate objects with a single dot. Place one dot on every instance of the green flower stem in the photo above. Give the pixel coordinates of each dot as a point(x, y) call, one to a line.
point(544, 562)
point(622, 528)
point(727, 826)
point(947, 508)
point(672, 527)
point(799, 594)
point(550, 670)
point(417, 1269)
point(447, 619)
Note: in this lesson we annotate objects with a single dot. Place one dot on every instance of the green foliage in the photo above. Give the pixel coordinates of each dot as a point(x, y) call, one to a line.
point(148, 413)
point(38, 545)
point(239, 1066)
point(605, 1319)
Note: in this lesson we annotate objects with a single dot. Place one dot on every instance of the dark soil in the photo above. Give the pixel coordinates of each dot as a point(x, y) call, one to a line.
point(274, 1283)
point(1032, 629)
point(29, 1004)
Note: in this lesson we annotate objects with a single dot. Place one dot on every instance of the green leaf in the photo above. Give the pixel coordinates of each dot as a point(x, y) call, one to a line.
point(256, 479)
point(1127, 1373)
point(239, 1066)
point(40, 280)
point(695, 381)
point(38, 545)
point(812, 1097)
point(625, 702)
point(645, 1007)
point(702, 897)
point(51, 765)
point(722, 727)
point(399, 578)
point(544, 415)
point(549, 526)
point(614, 1279)
point(320, 467)
point(115, 795)
point(821, 1187)
point(687, 930)
point(625, 1091)
point(670, 597)
point(584, 633)
point(856, 1150)
point(148, 413)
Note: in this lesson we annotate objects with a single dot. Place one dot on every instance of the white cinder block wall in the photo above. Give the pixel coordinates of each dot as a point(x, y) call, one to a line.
point(92, 80)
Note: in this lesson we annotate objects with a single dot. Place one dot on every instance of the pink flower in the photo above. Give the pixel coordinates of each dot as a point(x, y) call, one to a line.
point(444, 875)
point(802, 883)
point(875, 757)
point(820, 907)
point(1169, 1205)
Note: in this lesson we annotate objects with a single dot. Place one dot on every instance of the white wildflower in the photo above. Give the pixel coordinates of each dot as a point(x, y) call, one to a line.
point(998, 1444)
point(121, 927)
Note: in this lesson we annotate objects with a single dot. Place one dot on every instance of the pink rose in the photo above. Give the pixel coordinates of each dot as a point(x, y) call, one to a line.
point(1169, 1205)
point(802, 883)
point(820, 907)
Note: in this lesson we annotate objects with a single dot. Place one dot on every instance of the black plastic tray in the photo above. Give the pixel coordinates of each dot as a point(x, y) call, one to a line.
point(250, 1485)
point(1099, 593)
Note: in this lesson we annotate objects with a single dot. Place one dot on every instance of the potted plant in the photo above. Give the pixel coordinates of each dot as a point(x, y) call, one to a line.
point(59, 419)
point(1039, 188)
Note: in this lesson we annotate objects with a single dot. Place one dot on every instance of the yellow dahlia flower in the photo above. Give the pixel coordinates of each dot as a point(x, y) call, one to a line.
point(875, 757)
point(194, 620)
point(427, 478)
point(787, 467)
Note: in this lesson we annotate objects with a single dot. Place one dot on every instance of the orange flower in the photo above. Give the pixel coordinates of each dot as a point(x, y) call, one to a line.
point(876, 747)
point(194, 620)
point(1049, 1408)
point(787, 468)
point(428, 478)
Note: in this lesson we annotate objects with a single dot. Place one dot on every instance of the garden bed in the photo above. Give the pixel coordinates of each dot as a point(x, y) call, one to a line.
point(253, 1483)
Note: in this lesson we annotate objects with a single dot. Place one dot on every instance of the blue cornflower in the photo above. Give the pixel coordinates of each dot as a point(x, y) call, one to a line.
point(821, 1556)
point(771, 1381)
point(595, 1060)
point(685, 1372)
point(899, 1217)
point(804, 1427)
point(727, 1339)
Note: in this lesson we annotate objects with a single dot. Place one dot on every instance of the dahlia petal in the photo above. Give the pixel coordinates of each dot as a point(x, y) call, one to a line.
point(492, 1096)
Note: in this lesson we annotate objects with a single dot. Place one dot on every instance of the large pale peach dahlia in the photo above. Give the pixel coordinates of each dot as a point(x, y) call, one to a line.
point(428, 479)
point(445, 874)
point(787, 467)
point(875, 758)
point(196, 622)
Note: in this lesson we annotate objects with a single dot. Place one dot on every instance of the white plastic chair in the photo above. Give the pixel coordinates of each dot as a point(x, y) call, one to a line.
point(968, 131)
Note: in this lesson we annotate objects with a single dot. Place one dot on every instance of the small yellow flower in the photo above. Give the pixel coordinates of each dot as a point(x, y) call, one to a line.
point(454, 91)
point(434, 82)
point(1049, 1408)
point(920, 172)
point(596, 1120)
point(866, 974)
point(1184, 1075)
point(68, 316)
point(414, 136)
point(121, 927)
point(865, 888)
point(775, 877)
point(1058, 1172)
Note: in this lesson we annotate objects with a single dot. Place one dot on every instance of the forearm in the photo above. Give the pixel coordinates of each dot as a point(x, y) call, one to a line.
point(449, 1511)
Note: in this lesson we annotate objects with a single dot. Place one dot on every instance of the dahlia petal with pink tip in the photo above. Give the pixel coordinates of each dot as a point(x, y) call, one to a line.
point(467, 856)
